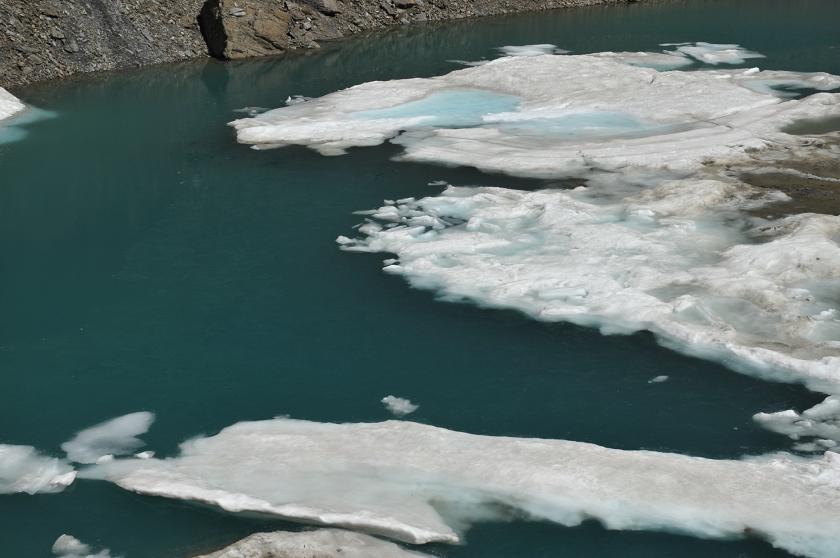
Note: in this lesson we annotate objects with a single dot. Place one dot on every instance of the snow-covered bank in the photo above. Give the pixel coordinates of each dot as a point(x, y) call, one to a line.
point(417, 483)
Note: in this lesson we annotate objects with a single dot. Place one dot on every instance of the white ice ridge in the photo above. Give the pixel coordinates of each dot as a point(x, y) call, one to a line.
point(399, 406)
point(9, 104)
point(24, 470)
point(68, 546)
point(674, 257)
point(555, 115)
point(117, 436)
point(323, 543)
point(416, 483)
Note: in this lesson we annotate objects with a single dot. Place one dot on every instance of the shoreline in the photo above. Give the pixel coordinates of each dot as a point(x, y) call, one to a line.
point(49, 40)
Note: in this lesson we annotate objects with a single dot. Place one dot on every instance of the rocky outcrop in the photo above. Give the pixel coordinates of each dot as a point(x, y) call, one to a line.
point(244, 28)
point(47, 39)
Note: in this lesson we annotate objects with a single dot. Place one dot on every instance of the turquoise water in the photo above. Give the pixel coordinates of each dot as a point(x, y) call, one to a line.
point(151, 263)
point(457, 108)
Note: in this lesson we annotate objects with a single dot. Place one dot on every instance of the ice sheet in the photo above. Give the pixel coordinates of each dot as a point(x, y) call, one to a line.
point(414, 483)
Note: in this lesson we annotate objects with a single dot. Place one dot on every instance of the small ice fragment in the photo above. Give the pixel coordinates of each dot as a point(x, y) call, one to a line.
point(658, 379)
point(399, 406)
point(144, 455)
point(69, 545)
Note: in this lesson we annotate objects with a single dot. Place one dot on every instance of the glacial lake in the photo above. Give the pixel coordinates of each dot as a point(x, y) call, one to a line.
point(149, 262)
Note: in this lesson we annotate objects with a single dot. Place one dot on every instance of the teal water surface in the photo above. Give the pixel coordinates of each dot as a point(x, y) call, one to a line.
point(148, 262)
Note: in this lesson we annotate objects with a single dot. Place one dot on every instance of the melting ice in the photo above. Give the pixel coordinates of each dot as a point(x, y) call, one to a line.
point(417, 483)
point(117, 436)
point(24, 469)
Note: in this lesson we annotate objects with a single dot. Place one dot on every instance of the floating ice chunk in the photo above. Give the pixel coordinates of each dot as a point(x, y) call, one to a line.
point(144, 455)
point(23, 469)
point(399, 406)
point(531, 50)
point(821, 421)
point(397, 478)
point(9, 104)
point(323, 543)
point(521, 115)
point(68, 546)
point(671, 258)
point(658, 379)
point(114, 437)
point(711, 53)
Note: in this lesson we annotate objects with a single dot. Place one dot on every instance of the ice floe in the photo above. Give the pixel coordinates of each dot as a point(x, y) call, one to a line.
point(68, 546)
point(323, 543)
point(117, 436)
point(529, 118)
point(677, 259)
point(24, 470)
point(416, 483)
point(821, 423)
point(399, 406)
point(658, 240)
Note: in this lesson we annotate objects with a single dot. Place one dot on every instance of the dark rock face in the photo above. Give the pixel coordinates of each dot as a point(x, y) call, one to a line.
point(72, 36)
point(47, 39)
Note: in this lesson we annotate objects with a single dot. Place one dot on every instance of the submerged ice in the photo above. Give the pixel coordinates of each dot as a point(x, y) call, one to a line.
point(418, 483)
point(118, 436)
